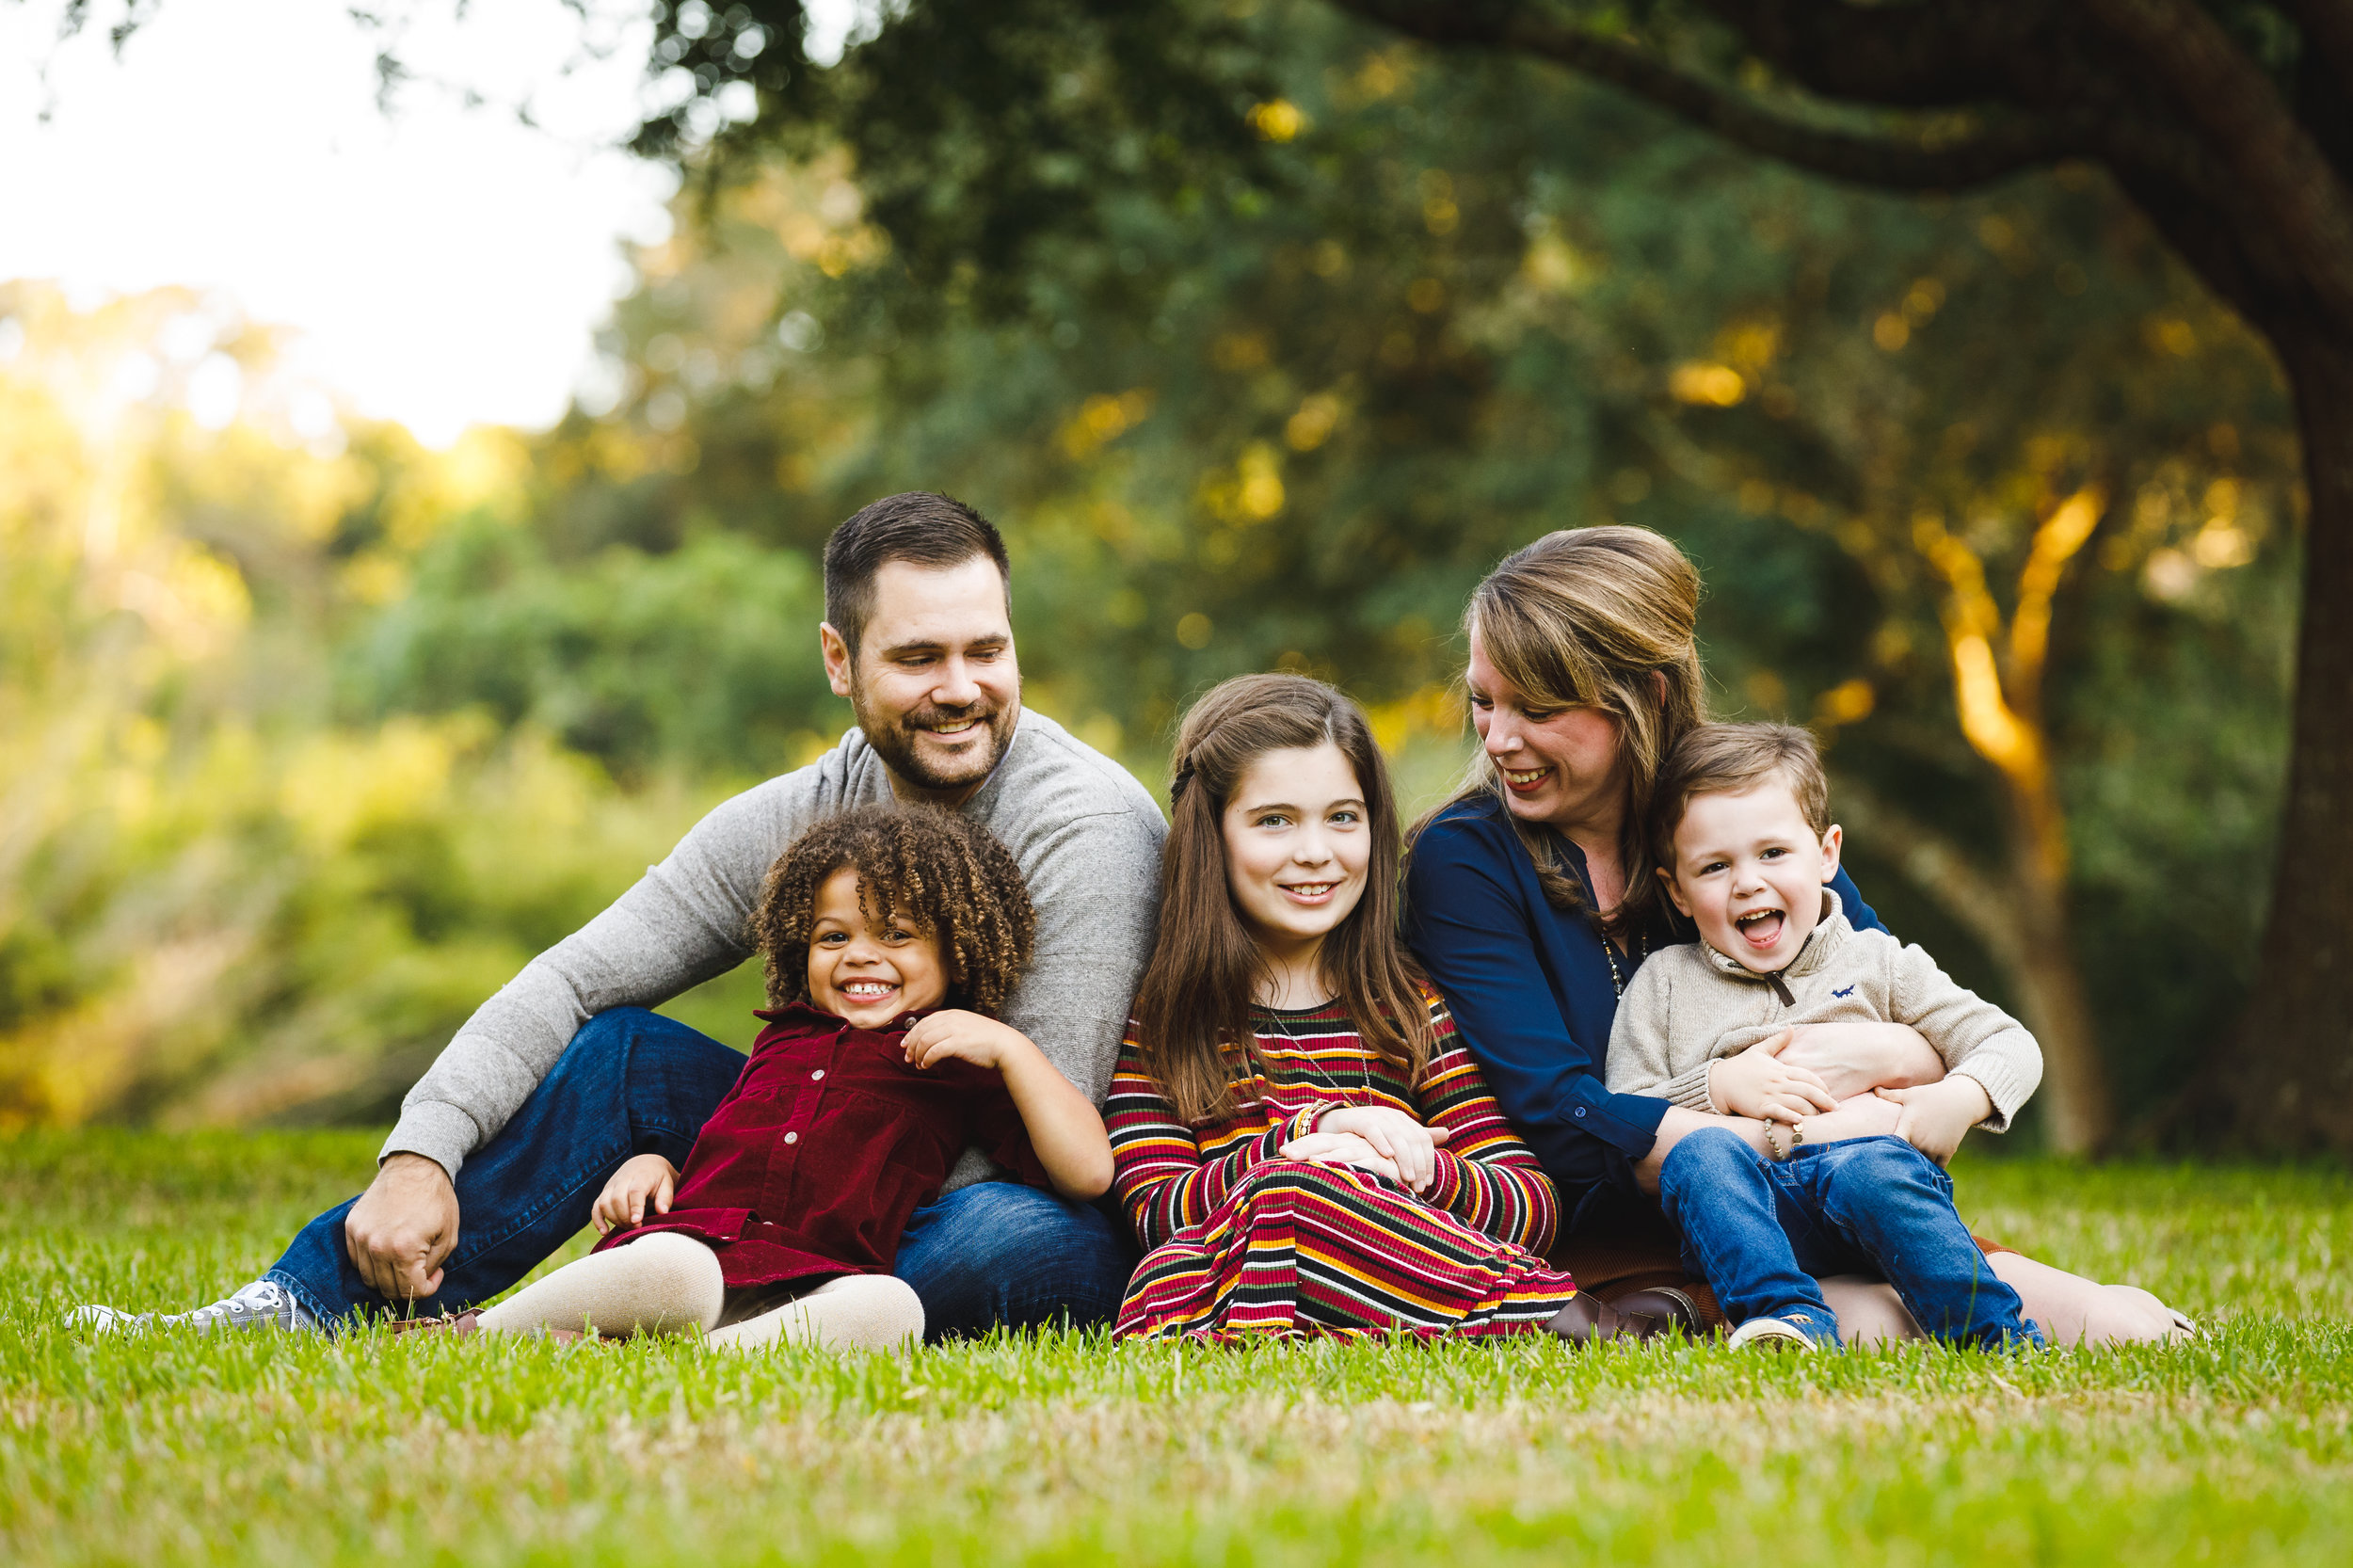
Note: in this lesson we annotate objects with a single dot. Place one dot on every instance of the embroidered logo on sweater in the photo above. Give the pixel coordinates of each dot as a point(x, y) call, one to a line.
point(1847, 992)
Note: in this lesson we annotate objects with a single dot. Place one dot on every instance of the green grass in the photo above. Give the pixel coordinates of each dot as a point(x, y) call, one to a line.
point(267, 1448)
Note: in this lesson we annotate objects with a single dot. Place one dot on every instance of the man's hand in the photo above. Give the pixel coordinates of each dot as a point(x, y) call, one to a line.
point(1936, 1117)
point(1340, 1148)
point(953, 1032)
point(1758, 1084)
point(1403, 1142)
point(402, 1228)
point(644, 1184)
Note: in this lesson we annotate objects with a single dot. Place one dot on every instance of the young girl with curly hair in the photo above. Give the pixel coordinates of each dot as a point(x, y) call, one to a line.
point(1299, 1139)
point(859, 1095)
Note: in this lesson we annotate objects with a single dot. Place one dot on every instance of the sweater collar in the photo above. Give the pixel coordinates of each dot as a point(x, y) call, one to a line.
point(1829, 935)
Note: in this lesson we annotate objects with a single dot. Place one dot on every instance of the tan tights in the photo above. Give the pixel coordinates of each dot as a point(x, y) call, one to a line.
point(669, 1284)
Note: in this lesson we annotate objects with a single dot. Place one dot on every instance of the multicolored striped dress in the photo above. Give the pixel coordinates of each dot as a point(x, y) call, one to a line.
point(1241, 1240)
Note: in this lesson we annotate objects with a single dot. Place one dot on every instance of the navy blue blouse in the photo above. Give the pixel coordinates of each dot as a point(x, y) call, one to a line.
point(1529, 987)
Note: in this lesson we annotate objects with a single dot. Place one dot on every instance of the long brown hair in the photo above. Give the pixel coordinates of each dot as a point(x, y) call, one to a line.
point(1595, 618)
point(1193, 1005)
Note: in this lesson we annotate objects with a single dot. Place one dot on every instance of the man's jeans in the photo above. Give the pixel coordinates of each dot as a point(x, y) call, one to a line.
point(634, 1082)
point(1761, 1231)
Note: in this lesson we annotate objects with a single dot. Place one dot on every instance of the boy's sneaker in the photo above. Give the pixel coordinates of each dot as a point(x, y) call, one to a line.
point(260, 1304)
point(1771, 1334)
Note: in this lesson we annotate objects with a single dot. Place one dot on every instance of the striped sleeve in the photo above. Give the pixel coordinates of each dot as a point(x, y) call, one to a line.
point(1167, 1180)
point(1486, 1176)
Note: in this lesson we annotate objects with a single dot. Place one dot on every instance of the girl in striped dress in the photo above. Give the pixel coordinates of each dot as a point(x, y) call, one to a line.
point(1301, 1142)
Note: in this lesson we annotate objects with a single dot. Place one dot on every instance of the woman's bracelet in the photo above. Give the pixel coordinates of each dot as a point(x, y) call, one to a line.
point(1772, 1148)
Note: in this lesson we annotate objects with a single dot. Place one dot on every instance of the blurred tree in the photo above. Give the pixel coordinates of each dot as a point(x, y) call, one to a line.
point(216, 903)
point(985, 126)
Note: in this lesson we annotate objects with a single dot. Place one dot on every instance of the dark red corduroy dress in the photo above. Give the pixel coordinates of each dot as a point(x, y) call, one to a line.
point(826, 1143)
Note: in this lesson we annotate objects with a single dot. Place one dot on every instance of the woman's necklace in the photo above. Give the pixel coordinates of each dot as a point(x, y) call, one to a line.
point(1609, 948)
point(1609, 951)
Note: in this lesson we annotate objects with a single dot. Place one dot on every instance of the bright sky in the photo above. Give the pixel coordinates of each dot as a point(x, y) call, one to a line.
point(441, 267)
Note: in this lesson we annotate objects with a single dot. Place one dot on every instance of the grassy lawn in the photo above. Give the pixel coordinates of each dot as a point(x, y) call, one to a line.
point(296, 1449)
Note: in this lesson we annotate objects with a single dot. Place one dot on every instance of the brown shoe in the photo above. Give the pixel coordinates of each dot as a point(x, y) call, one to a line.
point(468, 1322)
point(1672, 1311)
point(1589, 1320)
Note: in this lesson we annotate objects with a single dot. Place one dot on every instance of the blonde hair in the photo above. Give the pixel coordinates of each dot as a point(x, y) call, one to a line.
point(1596, 618)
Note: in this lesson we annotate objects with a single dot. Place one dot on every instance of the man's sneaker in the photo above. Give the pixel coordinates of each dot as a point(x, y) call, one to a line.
point(1771, 1334)
point(260, 1304)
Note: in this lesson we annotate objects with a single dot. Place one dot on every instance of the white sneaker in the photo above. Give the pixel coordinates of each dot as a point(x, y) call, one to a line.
point(1772, 1334)
point(260, 1304)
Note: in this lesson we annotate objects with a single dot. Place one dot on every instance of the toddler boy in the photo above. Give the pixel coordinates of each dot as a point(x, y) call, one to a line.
point(1745, 843)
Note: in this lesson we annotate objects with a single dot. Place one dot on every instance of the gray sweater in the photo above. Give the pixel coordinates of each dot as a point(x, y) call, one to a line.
point(1688, 1005)
point(1087, 837)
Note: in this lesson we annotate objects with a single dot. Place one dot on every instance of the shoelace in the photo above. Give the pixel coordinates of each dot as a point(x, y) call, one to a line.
point(257, 1300)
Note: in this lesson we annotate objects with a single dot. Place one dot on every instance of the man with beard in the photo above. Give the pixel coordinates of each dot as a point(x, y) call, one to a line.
point(504, 1143)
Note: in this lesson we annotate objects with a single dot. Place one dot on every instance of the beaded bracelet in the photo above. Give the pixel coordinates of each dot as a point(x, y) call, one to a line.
point(1770, 1147)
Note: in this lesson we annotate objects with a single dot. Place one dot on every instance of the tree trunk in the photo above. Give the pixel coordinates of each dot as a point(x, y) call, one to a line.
point(2285, 1081)
point(2019, 915)
point(2079, 1116)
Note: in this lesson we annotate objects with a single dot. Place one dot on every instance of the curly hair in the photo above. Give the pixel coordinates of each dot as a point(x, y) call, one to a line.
point(928, 866)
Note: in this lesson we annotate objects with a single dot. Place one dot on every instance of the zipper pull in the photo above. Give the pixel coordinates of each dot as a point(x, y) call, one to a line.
point(1781, 989)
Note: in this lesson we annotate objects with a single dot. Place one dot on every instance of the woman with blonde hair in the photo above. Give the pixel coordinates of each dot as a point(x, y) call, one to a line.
point(1530, 901)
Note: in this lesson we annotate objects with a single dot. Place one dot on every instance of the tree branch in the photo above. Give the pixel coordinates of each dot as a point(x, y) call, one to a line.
point(2268, 151)
point(1904, 57)
point(2022, 143)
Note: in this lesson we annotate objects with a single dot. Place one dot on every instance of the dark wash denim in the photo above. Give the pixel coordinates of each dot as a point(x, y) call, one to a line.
point(1761, 1231)
point(634, 1082)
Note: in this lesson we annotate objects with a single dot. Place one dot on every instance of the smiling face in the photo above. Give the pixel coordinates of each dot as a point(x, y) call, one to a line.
point(1750, 872)
point(1298, 840)
point(934, 682)
point(1559, 765)
point(866, 972)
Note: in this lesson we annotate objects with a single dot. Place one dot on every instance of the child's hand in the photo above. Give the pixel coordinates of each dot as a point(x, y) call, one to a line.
point(1340, 1148)
point(1758, 1084)
point(1412, 1147)
point(953, 1032)
point(643, 1185)
point(1936, 1117)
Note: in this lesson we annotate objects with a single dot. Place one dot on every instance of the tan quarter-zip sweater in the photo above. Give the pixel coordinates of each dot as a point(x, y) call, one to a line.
point(1690, 1004)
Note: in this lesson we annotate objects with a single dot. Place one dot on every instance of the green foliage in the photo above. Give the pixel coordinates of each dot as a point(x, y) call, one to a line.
point(217, 902)
point(703, 657)
point(979, 128)
point(172, 1448)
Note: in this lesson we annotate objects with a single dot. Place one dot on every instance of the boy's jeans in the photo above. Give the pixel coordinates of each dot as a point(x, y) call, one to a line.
point(635, 1083)
point(1760, 1232)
